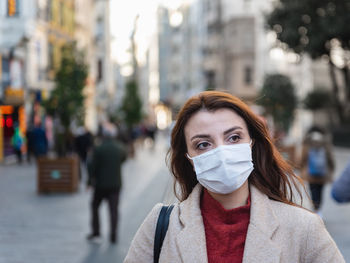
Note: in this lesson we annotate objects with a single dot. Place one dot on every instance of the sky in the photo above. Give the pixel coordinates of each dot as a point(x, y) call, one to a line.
point(122, 16)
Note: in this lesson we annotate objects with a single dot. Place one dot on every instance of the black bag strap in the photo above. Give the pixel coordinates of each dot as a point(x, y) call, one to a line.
point(161, 229)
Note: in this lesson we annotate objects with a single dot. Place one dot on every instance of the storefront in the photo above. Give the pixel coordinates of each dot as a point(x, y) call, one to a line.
point(10, 116)
point(12, 111)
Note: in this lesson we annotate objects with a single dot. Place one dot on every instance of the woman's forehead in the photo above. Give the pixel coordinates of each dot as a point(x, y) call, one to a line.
point(217, 120)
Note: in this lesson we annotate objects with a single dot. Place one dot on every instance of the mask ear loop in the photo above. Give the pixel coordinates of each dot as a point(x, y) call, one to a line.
point(191, 160)
point(189, 157)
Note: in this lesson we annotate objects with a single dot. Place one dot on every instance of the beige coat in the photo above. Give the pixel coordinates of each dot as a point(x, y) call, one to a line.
point(277, 233)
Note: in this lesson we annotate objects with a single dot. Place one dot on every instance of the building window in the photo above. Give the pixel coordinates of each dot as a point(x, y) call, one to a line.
point(99, 70)
point(51, 57)
point(210, 80)
point(49, 11)
point(61, 16)
point(99, 29)
point(176, 87)
point(248, 75)
point(13, 7)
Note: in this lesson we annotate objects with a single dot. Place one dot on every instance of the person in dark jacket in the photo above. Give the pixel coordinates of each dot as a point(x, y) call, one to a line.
point(83, 143)
point(39, 140)
point(105, 178)
point(30, 144)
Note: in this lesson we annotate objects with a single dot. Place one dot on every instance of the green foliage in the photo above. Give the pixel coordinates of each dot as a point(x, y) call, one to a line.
point(67, 100)
point(131, 108)
point(318, 99)
point(315, 27)
point(278, 98)
point(309, 25)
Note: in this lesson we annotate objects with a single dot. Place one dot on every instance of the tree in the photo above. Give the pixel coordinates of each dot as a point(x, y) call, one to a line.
point(316, 27)
point(318, 99)
point(131, 108)
point(66, 101)
point(279, 100)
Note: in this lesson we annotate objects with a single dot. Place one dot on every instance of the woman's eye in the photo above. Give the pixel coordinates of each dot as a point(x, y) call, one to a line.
point(202, 145)
point(234, 138)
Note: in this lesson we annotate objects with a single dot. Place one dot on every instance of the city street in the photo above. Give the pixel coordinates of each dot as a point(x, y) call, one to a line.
point(53, 228)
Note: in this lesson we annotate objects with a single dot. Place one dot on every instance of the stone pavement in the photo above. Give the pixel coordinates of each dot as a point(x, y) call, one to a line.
point(52, 228)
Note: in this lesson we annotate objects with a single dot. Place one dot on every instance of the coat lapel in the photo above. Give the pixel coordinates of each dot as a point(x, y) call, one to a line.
point(259, 246)
point(190, 239)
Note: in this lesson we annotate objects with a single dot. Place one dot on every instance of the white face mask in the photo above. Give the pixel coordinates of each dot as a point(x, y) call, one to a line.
point(225, 168)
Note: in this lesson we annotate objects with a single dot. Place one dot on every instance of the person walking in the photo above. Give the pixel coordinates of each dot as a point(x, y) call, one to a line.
point(236, 194)
point(83, 144)
point(104, 170)
point(30, 144)
point(341, 187)
point(39, 141)
point(17, 142)
point(317, 164)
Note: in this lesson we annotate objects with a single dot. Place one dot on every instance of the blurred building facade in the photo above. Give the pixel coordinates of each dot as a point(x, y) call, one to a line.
point(104, 80)
point(32, 34)
point(223, 45)
point(17, 24)
point(180, 45)
point(214, 45)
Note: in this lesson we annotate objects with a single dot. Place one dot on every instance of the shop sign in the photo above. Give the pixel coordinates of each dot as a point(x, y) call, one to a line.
point(14, 96)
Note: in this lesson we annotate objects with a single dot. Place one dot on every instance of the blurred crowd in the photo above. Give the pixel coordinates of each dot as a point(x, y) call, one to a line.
point(35, 142)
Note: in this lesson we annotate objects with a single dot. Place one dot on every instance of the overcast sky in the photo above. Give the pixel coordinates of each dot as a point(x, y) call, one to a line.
point(122, 15)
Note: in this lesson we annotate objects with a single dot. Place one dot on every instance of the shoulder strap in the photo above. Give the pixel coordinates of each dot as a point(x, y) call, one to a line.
point(161, 229)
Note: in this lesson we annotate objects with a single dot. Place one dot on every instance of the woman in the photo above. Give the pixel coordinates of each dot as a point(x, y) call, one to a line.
point(236, 194)
point(317, 164)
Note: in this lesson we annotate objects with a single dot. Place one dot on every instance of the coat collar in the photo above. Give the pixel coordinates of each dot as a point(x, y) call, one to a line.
point(258, 246)
point(190, 239)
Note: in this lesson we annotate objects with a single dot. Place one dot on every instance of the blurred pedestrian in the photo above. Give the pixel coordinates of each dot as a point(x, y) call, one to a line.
point(30, 144)
point(40, 144)
point(317, 163)
point(341, 187)
point(83, 143)
point(17, 142)
point(236, 195)
point(151, 130)
point(105, 179)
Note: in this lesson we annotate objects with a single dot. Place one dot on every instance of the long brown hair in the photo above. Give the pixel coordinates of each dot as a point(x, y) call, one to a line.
point(272, 175)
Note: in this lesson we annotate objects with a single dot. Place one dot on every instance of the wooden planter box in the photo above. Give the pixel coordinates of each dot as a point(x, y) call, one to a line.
point(58, 175)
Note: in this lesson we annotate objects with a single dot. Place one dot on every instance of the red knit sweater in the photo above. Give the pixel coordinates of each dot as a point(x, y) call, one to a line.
point(225, 230)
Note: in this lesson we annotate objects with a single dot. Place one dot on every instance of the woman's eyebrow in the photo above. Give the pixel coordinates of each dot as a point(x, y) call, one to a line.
point(233, 129)
point(201, 136)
